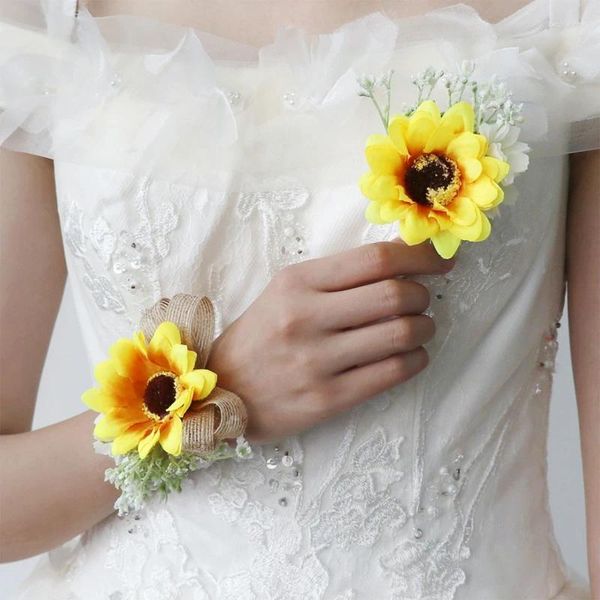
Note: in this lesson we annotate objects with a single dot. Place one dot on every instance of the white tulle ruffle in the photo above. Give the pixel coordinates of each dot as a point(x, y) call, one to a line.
point(136, 94)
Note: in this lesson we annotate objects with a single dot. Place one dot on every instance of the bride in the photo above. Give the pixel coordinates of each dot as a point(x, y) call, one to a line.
point(396, 385)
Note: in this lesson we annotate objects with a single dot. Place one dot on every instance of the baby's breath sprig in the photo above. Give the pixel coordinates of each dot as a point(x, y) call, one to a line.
point(426, 82)
point(162, 473)
point(492, 102)
point(368, 86)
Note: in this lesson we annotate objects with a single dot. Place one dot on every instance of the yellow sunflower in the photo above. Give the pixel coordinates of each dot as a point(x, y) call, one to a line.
point(145, 389)
point(431, 173)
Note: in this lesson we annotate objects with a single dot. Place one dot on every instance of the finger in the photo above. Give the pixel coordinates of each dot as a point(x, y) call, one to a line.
point(371, 302)
point(361, 383)
point(372, 262)
point(372, 343)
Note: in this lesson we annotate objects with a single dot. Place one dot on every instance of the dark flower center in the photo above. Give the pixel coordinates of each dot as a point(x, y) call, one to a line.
point(432, 177)
point(160, 393)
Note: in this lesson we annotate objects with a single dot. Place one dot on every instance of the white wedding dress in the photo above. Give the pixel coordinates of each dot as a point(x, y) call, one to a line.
point(185, 162)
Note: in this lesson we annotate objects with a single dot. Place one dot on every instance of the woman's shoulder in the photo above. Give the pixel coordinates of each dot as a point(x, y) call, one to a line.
point(67, 80)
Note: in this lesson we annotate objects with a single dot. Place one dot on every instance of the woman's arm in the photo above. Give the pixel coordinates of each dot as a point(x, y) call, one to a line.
point(583, 276)
point(325, 334)
point(52, 481)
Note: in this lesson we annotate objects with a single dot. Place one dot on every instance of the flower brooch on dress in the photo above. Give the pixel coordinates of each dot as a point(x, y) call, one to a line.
point(161, 412)
point(440, 174)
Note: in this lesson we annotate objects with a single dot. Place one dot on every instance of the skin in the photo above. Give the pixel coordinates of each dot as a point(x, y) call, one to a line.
point(351, 301)
point(255, 21)
point(348, 301)
point(583, 288)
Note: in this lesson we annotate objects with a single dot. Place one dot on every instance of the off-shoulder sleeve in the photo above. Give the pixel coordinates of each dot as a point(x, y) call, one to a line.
point(577, 61)
point(109, 92)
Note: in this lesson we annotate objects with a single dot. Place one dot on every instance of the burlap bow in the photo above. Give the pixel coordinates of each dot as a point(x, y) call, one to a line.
point(195, 318)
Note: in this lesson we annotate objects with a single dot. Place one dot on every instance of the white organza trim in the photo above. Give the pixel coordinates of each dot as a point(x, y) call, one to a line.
point(139, 95)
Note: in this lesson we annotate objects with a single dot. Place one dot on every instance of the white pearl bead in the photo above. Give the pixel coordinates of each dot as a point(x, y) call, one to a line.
point(289, 98)
point(569, 74)
point(234, 97)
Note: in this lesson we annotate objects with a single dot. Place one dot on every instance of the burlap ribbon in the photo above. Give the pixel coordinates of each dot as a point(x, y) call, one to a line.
point(222, 415)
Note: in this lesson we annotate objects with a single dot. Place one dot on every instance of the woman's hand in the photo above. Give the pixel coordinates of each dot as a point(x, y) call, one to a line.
point(327, 334)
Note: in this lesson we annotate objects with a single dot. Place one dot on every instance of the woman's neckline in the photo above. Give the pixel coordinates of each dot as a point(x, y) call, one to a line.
point(541, 6)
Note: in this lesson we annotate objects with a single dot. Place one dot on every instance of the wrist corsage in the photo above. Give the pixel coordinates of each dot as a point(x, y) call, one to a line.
point(440, 174)
point(162, 415)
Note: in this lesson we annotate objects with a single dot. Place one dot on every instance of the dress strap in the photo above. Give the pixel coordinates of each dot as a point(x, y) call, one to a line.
point(565, 12)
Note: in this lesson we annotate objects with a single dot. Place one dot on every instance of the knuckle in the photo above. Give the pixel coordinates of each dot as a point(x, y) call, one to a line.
point(401, 333)
point(403, 366)
point(284, 279)
point(321, 402)
point(306, 364)
point(391, 295)
point(398, 368)
point(288, 322)
point(377, 257)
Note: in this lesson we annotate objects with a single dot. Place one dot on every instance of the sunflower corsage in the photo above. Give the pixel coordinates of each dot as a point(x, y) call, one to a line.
point(162, 415)
point(441, 174)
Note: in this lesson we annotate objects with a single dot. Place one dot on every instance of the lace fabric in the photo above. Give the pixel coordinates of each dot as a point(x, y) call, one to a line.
point(180, 172)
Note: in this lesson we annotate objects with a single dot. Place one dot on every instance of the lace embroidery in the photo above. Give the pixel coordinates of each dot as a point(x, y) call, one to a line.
point(428, 565)
point(105, 294)
point(361, 500)
point(283, 235)
point(149, 560)
point(121, 268)
point(280, 568)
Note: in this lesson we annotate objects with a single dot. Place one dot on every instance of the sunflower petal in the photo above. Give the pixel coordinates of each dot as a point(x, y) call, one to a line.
point(397, 132)
point(495, 168)
point(416, 226)
point(165, 337)
point(471, 233)
point(460, 117)
point(470, 168)
point(182, 402)
point(117, 421)
point(107, 429)
point(446, 243)
point(180, 358)
point(372, 213)
point(463, 211)
point(129, 439)
point(98, 400)
point(431, 108)
point(382, 156)
point(420, 129)
point(486, 228)
point(485, 192)
point(129, 363)
point(467, 145)
point(201, 381)
point(148, 442)
point(379, 187)
point(139, 339)
point(392, 211)
point(171, 436)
